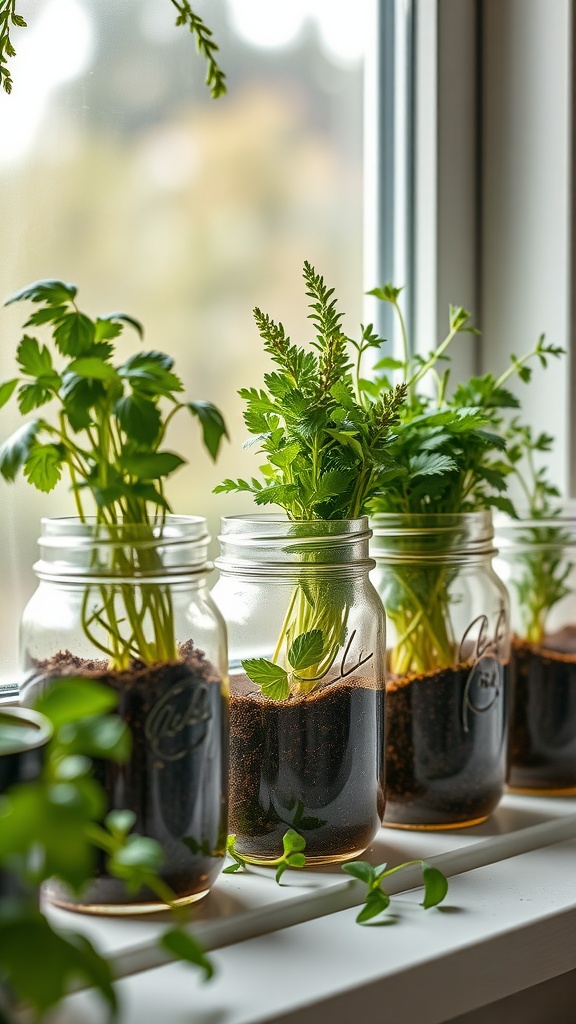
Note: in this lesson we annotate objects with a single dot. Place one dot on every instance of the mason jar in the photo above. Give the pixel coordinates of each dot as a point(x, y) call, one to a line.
point(447, 668)
point(128, 605)
point(538, 564)
point(307, 686)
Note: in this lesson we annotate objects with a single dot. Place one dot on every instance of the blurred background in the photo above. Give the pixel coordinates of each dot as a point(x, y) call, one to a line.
point(119, 173)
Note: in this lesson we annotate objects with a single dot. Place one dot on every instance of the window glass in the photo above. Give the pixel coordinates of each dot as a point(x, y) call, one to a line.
point(120, 174)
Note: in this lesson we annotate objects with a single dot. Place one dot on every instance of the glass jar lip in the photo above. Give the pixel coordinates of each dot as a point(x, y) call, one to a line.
point(269, 542)
point(178, 526)
point(267, 522)
point(26, 716)
point(73, 548)
point(434, 536)
point(537, 533)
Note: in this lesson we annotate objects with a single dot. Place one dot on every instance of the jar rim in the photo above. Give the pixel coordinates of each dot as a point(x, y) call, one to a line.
point(170, 545)
point(435, 536)
point(274, 541)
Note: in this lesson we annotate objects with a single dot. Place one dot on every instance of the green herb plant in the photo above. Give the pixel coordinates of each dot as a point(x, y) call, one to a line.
point(205, 43)
point(293, 846)
point(448, 457)
point(108, 432)
point(326, 439)
point(541, 568)
point(53, 828)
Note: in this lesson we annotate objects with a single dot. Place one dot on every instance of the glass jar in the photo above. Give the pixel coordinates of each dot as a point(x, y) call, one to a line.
point(128, 605)
point(307, 687)
point(538, 564)
point(448, 652)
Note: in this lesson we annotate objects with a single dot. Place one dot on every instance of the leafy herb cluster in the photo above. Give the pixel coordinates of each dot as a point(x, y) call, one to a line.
point(449, 457)
point(109, 434)
point(326, 438)
point(449, 450)
point(52, 828)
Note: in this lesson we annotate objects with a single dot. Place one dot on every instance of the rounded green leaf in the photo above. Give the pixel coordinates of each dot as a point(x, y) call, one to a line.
point(435, 887)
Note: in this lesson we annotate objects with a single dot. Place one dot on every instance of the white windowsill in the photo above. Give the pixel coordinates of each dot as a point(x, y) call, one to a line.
point(505, 927)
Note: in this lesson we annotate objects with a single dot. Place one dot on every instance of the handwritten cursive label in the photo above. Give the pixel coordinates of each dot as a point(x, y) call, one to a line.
point(485, 679)
point(178, 722)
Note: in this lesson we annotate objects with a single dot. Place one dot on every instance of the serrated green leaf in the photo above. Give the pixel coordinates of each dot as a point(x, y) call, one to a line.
point(34, 359)
point(74, 334)
point(272, 679)
point(33, 396)
point(43, 467)
point(52, 292)
point(46, 315)
point(306, 650)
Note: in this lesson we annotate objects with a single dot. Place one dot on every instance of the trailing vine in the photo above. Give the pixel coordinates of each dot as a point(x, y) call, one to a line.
point(205, 43)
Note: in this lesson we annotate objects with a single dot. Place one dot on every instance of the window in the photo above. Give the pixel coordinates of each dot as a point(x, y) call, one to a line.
point(119, 173)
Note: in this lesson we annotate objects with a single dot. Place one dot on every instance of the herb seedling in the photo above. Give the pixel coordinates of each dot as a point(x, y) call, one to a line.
point(293, 856)
point(327, 440)
point(449, 456)
point(377, 899)
point(108, 433)
point(51, 828)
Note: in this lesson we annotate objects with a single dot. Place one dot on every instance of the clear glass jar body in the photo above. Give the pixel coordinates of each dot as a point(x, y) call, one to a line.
point(447, 668)
point(537, 561)
point(129, 606)
point(312, 760)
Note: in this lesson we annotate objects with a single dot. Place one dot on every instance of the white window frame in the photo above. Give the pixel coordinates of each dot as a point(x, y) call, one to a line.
point(476, 206)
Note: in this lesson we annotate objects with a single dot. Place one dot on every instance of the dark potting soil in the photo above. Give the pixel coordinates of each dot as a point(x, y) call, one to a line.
point(543, 719)
point(314, 763)
point(446, 745)
point(175, 780)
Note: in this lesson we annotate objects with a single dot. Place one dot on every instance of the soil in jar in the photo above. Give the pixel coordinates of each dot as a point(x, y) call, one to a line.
point(175, 780)
point(446, 745)
point(314, 763)
point(543, 719)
